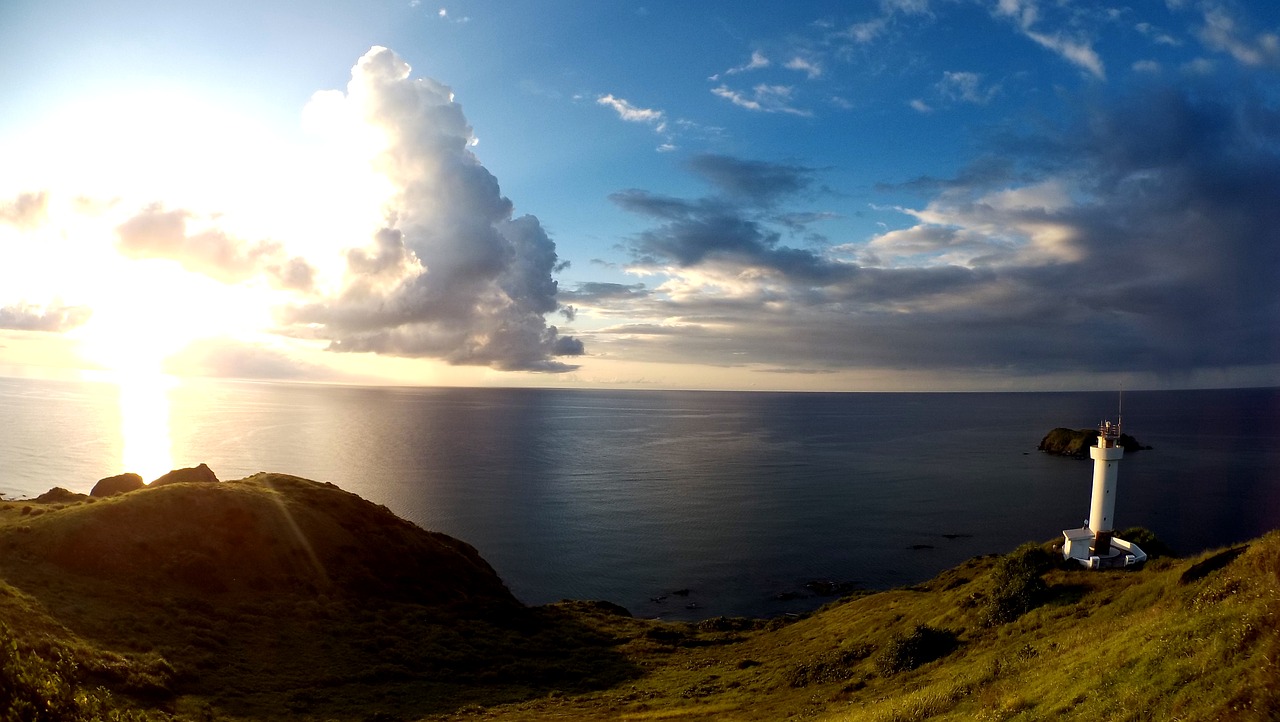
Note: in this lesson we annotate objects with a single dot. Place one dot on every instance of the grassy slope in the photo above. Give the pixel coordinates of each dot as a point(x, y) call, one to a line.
point(1112, 645)
point(1180, 639)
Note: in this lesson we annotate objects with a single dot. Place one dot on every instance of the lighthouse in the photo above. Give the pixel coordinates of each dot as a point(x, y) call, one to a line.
point(1095, 545)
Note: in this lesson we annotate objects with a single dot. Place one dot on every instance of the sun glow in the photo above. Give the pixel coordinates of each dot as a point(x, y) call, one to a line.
point(144, 313)
point(146, 445)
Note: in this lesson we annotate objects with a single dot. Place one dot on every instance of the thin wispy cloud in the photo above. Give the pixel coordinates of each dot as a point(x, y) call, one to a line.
point(443, 14)
point(966, 87)
point(763, 98)
point(1026, 16)
point(1221, 32)
point(634, 114)
point(652, 117)
point(758, 60)
point(808, 67)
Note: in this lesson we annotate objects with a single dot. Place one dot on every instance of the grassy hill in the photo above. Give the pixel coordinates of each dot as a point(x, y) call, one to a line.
point(274, 597)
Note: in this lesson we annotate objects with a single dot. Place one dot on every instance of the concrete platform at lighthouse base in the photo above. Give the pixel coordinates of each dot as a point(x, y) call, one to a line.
point(1121, 553)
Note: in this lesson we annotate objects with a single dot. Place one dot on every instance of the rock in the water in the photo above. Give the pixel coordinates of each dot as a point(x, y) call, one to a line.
point(118, 484)
point(1076, 442)
point(191, 473)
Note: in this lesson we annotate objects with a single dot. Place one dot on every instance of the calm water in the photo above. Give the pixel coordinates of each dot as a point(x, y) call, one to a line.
point(629, 495)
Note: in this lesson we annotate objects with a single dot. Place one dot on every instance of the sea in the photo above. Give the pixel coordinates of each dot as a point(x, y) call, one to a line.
point(682, 504)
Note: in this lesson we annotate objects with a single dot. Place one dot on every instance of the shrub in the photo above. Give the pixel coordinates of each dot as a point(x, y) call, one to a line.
point(923, 645)
point(47, 685)
point(35, 689)
point(834, 667)
point(1016, 584)
point(1150, 543)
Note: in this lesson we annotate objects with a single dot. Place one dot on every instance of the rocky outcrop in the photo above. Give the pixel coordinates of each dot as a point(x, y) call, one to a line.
point(118, 484)
point(1076, 442)
point(58, 495)
point(192, 473)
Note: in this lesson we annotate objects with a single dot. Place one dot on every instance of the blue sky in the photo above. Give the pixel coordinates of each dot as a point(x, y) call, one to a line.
point(904, 194)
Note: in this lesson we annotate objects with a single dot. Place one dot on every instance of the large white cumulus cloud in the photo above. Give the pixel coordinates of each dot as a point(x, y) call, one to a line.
point(451, 274)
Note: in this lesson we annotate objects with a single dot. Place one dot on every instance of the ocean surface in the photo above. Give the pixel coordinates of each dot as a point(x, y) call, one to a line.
point(742, 499)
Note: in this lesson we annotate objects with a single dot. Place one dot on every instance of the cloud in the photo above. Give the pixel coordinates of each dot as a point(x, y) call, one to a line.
point(1139, 236)
point(868, 30)
point(1158, 36)
point(799, 221)
point(634, 114)
point(443, 14)
point(1078, 51)
point(26, 211)
point(763, 98)
point(452, 274)
point(158, 233)
point(758, 181)
point(228, 358)
point(652, 117)
point(966, 87)
point(1221, 33)
point(808, 67)
point(51, 319)
point(758, 60)
point(713, 232)
point(593, 293)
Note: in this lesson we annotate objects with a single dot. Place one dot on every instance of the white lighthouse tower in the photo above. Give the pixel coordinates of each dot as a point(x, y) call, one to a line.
point(1095, 545)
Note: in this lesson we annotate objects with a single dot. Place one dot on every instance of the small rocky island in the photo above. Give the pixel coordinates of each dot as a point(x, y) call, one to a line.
point(1076, 442)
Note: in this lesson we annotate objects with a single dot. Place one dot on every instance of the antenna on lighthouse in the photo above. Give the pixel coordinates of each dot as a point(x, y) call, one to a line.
point(1120, 413)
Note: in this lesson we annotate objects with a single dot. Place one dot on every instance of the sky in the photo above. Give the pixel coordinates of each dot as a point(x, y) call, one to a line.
point(856, 196)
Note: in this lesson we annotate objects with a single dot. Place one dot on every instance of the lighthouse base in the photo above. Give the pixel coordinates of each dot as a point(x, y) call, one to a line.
point(1079, 544)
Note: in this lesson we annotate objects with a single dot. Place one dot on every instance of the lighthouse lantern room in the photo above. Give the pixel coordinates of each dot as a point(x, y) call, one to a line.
point(1095, 545)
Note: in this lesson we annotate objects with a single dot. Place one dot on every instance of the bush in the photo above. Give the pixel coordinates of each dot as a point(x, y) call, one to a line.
point(46, 689)
point(835, 667)
point(1150, 543)
point(923, 645)
point(1016, 584)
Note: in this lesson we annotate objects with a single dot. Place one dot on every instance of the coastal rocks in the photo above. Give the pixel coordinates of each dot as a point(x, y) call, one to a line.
point(1076, 442)
point(827, 588)
point(193, 473)
point(818, 588)
point(118, 484)
point(58, 495)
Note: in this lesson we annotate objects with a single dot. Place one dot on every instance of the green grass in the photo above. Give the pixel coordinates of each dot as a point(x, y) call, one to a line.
point(1014, 637)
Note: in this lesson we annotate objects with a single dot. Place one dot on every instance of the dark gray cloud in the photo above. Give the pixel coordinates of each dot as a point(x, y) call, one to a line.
point(1141, 236)
point(26, 211)
point(158, 233)
point(759, 182)
point(52, 319)
point(452, 275)
point(711, 230)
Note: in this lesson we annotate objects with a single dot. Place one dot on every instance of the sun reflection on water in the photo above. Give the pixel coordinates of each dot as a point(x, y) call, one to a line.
point(145, 444)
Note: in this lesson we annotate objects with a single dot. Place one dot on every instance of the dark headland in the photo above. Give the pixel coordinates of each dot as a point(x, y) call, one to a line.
point(275, 597)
